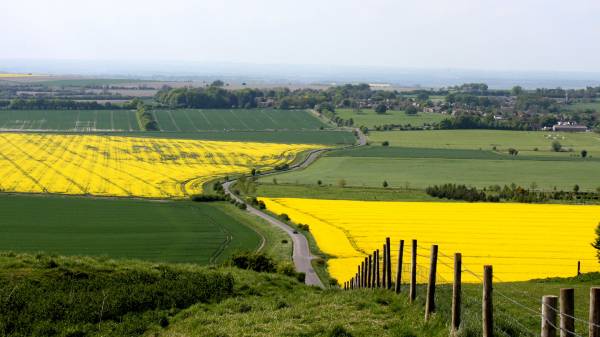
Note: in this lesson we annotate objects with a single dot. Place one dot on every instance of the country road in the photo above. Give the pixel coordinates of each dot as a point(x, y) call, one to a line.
point(301, 255)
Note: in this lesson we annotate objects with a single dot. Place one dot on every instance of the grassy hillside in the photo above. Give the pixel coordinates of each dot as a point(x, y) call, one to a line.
point(72, 296)
point(156, 231)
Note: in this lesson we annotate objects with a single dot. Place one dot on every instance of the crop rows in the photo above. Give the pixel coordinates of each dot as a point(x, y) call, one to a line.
point(127, 166)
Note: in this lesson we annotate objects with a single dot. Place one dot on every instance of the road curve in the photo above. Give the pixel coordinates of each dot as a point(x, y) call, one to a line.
point(301, 255)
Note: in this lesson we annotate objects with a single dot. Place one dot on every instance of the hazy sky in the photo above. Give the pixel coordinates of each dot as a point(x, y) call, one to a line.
point(473, 34)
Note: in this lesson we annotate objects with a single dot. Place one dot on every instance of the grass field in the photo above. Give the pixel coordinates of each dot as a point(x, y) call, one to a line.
point(181, 120)
point(584, 106)
point(156, 231)
point(422, 172)
point(368, 117)
point(340, 193)
point(524, 141)
point(192, 120)
point(128, 166)
point(512, 237)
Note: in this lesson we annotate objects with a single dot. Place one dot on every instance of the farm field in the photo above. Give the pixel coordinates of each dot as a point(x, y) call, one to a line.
point(192, 120)
point(595, 105)
point(512, 237)
point(420, 172)
point(128, 166)
point(524, 141)
point(156, 231)
point(180, 120)
point(368, 117)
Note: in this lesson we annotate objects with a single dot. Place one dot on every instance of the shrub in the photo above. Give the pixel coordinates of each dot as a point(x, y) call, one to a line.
point(385, 184)
point(339, 331)
point(513, 152)
point(284, 217)
point(385, 143)
point(207, 198)
point(584, 153)
point(303, 227)
point(556, 146)
point(380, 109)
point(253, 261)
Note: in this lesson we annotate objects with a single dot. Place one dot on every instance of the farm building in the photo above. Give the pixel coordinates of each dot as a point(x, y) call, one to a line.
point(569, 127)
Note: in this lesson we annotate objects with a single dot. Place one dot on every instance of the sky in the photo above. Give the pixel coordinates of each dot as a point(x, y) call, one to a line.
point(529, 35)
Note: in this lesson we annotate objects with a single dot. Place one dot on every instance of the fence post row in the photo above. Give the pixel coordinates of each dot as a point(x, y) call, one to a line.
point(430, 301)
point(456, 292)
point(399, 268)
point(413, 272)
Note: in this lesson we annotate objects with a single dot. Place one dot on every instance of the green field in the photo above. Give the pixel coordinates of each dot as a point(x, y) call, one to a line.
point(193, 120)
point(524, 141)
point(584, 106)
point(69, 120)
point(368, 117)
point(464, 157)
point(181, 120)
point(156, 231)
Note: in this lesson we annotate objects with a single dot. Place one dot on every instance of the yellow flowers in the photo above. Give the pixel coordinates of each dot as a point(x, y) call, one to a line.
point(6, 75)
point(128, 166)
point(521, 241)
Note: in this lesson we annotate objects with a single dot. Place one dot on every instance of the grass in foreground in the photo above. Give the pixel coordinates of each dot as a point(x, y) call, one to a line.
point(157, 231)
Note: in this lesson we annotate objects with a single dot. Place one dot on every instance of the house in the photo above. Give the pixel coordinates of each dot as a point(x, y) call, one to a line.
point(569, 127)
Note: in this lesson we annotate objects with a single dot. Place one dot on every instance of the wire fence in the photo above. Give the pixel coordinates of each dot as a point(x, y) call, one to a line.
point(517, 310)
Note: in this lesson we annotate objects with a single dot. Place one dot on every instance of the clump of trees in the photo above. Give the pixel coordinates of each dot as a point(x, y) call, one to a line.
point(456, 192)
point(146, 119)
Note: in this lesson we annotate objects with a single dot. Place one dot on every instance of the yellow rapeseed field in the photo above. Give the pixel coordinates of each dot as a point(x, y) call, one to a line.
point(521, 241)
point(127, 166)
point(6, 75)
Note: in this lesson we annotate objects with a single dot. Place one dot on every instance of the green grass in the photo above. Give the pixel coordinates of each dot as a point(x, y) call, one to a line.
point(69, 120)
point(524, 141)
point(157, 231)
point(368, 117)
point(338, 193)
point(73, 296)
point(423, 172)
point(584, 106)
point(192, 120)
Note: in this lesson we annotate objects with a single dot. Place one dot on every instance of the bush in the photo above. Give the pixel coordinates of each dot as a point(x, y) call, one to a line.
point(207, 198)
point(303, 227)
point(339, 331)
point(556, 146)
point(380, 109)
point(254, 261)
point(385, 143)
point(284, 217)
point(584, 153)
point(513, 152)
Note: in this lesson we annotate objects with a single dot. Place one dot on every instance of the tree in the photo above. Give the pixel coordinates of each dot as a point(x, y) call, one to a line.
point(385, 143)
point(513, 152)
point(217, 83)
point(319, 182)
point(341, 183)
point(583, 153)
point(576, 188)
point(385, 184)
point(516, 90)
point(556, 146)
point(380, 109)
point(596, 243)
point(411, 110)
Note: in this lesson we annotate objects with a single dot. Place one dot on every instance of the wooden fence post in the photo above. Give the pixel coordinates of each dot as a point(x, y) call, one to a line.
point(578, 268)
point(549, 308)
point(362, 270)
point(383, 266)
point(399, 271)
point(456, 292)
point(430, 302)
point(487, 308)
point(365, 273)
point(567, 312)
point(413, 272)
point(377, 272)
point(369, 271)
point(388, 282)
point(594, 327)
point(373, 279)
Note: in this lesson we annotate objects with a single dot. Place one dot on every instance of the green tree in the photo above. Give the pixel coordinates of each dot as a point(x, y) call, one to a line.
point(584, 153)
point(576, 188)
point(556, 146)
point(516, 90)
point(411, 110)
point(380, 109)
point(385, 184)
point(596, 243)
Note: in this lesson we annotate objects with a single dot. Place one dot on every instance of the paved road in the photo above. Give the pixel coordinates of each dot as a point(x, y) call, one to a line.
point(301, 252)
